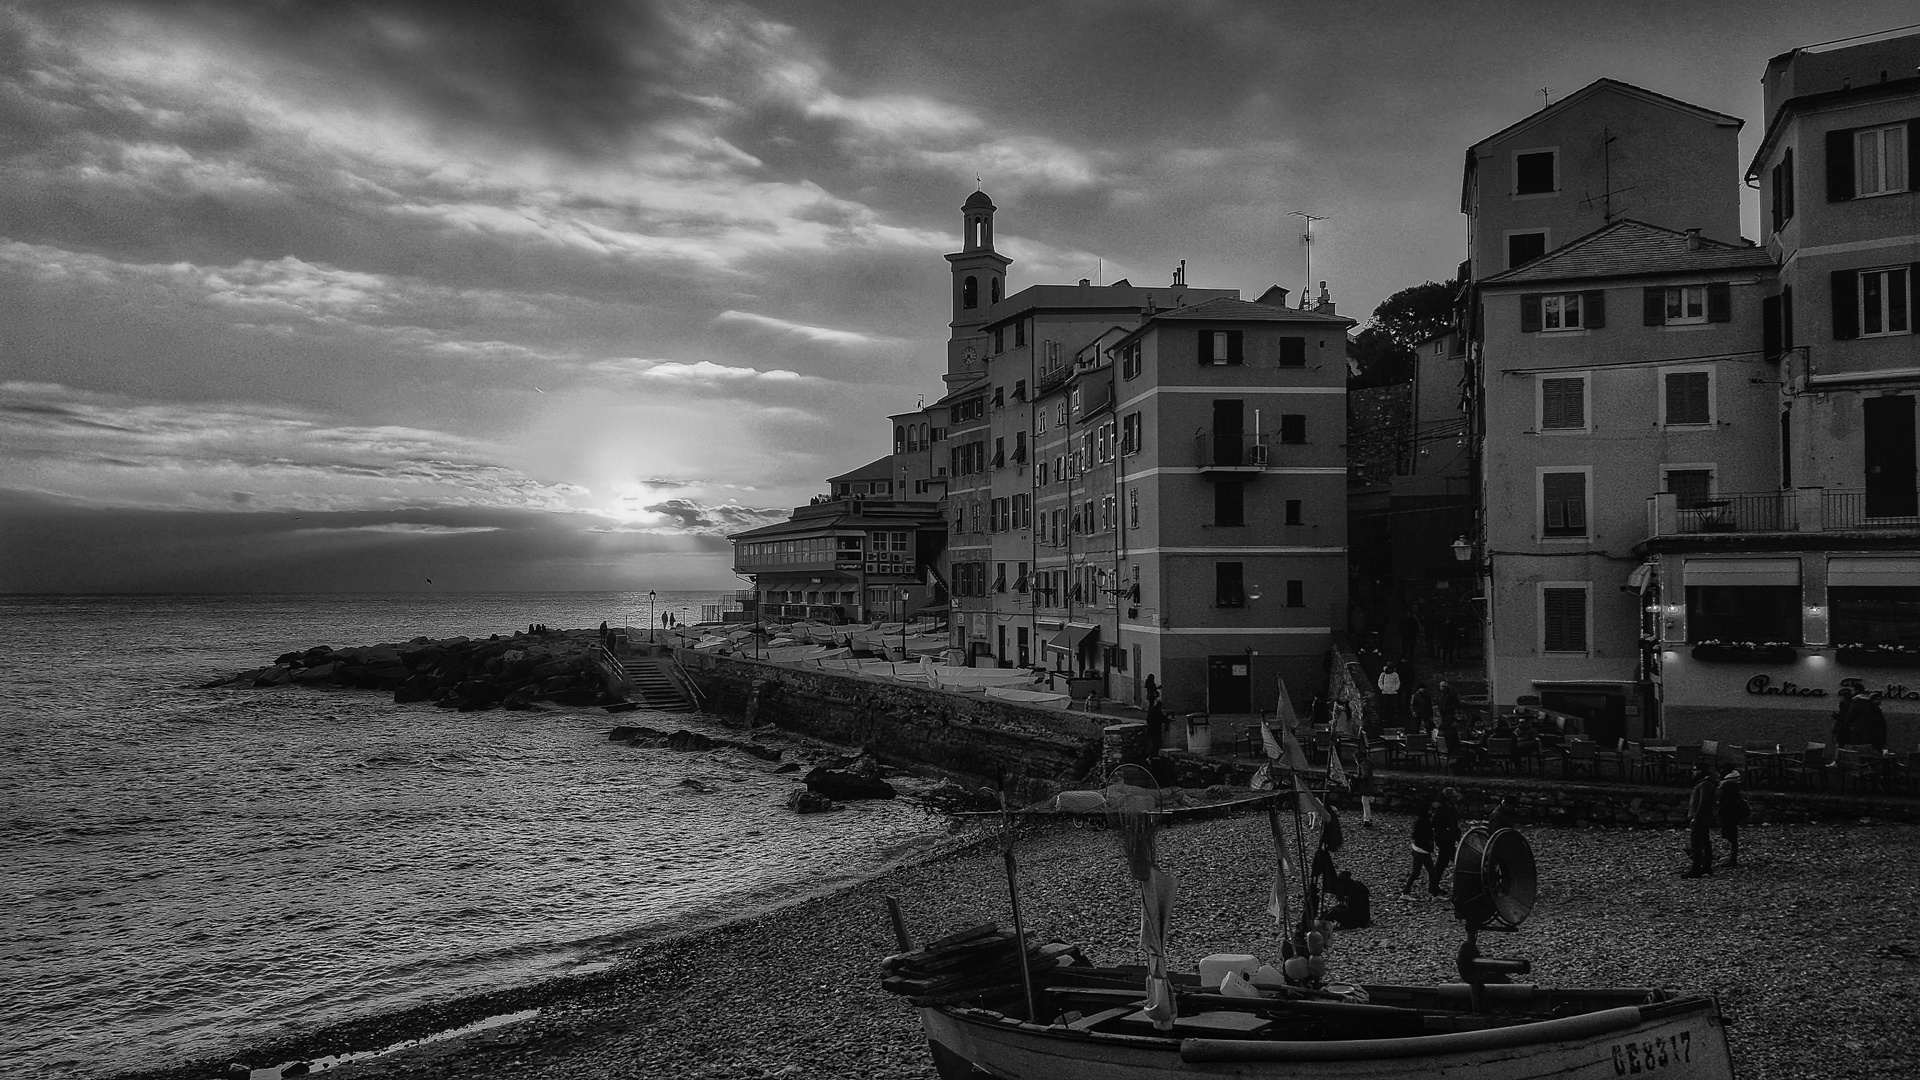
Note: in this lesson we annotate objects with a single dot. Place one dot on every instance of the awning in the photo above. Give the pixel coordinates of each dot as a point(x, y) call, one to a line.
point(1873, 573)
point(1743, 571)
point(1641, 577)
point(1072, 638)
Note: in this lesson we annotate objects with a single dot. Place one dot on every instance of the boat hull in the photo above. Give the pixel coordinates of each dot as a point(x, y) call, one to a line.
point(1683, 1039)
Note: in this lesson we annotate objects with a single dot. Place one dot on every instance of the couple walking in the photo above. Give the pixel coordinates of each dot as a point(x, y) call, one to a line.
point(1436, 836)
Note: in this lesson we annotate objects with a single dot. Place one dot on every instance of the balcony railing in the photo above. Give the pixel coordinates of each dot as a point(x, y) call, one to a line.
point(1220, 452)
point(1797, 510)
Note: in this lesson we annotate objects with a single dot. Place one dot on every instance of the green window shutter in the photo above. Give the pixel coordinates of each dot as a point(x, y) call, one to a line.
point(1913, 155)
point(1529, 312)
point(1779, 204)
point(1839, 166)
point(1293, 352)
point(1233, 347)
point(1719, 302)
point(1786, 318)
point(1653, 306)
point(1770, 328)
point(1846, 304)
point(1205, 350)
point(1593, 310)
point(1786, 166)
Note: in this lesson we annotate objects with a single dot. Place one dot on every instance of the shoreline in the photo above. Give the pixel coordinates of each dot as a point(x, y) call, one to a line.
point(437, 1026)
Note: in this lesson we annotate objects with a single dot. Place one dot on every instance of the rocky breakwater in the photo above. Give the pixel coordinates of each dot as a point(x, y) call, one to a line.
point(468, 674)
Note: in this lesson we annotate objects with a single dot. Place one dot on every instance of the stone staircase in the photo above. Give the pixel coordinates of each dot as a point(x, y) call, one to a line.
point(652, 688)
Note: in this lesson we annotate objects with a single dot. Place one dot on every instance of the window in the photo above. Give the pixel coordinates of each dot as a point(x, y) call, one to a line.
point(1535, 172)
point(999, 397)
point(1040, 425)
point(1230, 502)
point(1883, 615)
point(970, 293)
point(1783, 190)
point(1107, 509)
point(993, 289)
point(999, 452)
point(1228, 585)
point(1296, 593)
point(1692, 488)
point(1293, 512)
point(1020, 334)
point(1563, 622)
point(1563, 403)
point(1293, 352)
point(999, 577)
point(1130, 433)
point(1563, 502)
point(1523, 247)
point(1293, 427)
point(999, 340)
point(1743, 613)
point(1868, 303)
point(1683, 305)
point(1133, 508)
point(1040, 473)
point(899, 439)
point(1020, 390)
point(1562, 311)
point(1130, 361)
point(1220, 346)
point(1686, 397)
point(1880, 160)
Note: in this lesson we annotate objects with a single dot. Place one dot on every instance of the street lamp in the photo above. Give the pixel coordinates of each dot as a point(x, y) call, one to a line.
point(1462, 550)
point(650, 621)
point(903, 626)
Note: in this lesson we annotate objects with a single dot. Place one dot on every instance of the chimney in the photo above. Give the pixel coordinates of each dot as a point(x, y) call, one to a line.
point(1693, 239)
point(1180, 273)
point(1084, 282)
point(1324, 305)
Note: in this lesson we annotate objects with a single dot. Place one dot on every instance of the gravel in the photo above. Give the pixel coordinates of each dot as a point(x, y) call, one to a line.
point(1812, 944)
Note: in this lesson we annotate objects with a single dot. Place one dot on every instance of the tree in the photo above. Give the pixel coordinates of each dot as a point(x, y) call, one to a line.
point(1382, 354)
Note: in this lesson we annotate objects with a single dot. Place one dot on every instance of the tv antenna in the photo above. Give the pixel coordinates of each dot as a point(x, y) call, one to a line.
point(1607, 190)
point(1306, 248)
point(1546, 96)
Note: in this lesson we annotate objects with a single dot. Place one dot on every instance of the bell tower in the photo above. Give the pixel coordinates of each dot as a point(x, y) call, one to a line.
point(979, 282)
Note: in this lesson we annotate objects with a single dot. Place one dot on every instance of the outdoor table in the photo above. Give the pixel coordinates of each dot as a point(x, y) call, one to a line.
point(1396, 748)
point(1661, 757)
point(1765, 765)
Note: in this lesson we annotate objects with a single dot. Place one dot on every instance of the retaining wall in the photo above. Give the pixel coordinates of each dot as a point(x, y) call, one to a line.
point(971, 737)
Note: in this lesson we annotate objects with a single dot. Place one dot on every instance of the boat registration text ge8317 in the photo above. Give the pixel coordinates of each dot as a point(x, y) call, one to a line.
point(1658, 1052)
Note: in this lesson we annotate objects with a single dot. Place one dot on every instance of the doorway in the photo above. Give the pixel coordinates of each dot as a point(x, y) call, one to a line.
point(1230, 684)
point(1229, 423)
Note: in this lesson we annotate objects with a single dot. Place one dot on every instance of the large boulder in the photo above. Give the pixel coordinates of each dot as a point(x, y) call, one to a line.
point(415, 688)
point(318, 673)
point(802, 801)
point(688, 740)
point(845, 785)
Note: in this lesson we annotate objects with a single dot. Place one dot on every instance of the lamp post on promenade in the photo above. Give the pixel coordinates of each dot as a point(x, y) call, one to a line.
point(903, 626)
point(650, 620)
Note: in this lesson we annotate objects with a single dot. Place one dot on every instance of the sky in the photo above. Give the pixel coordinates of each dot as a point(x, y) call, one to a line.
point(511, 295)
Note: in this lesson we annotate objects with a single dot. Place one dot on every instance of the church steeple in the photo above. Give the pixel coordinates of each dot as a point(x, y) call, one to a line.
point(979, 282)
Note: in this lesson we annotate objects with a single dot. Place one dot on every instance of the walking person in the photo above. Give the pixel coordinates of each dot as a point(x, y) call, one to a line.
point(1156, 726)
point(1446, 837)
point(1700, 812)
point(1868, 722)
point(1843, 719)
point(1423, 849)
point(1389, 686)
point(1422, 706)
point(1363, 784)
point(1732, 808)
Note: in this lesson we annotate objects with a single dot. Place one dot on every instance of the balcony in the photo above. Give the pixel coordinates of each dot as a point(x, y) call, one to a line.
point(1798, 510)
point(1218, 452)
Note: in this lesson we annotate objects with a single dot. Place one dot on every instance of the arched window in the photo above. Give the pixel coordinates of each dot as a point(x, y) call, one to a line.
point(970, 293)
point(899, 439)
point(923, 436)
point(994, 288)
point(913, 441)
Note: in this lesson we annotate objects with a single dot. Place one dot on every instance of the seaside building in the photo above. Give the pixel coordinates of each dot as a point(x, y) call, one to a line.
point(850, 558)
point(1807, 577)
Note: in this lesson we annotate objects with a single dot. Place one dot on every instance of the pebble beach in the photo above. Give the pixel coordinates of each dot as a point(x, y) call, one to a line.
point(1812, 944)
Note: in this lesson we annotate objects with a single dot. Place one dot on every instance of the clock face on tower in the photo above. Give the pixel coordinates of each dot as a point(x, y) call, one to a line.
point(969, 355)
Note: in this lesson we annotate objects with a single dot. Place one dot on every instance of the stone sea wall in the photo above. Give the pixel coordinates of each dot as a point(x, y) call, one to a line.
point(970, 737)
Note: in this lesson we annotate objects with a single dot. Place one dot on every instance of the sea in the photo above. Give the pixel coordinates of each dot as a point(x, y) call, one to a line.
point(185, 872)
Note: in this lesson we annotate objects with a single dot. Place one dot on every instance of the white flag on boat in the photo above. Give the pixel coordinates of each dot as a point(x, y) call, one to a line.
point(1336, 770)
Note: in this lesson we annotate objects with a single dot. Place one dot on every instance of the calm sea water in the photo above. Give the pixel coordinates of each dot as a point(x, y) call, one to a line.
point(184, 871)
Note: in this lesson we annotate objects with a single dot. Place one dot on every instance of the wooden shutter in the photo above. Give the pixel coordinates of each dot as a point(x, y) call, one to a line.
point(1566, 620)
point(1565, 495)
point(1687, 398)
point(1779, 197)
point(1770, 328)
point(1846, 304)
point(1913, 155)
point(1719, 302)
point(1786, 166)
point(1786, 318)
point(1293, 352)
point(1529, 312)
point(1206, 347)
point(1593, 310)
point(1233, 347)
point(1839, 166)
point(1562, 403)
point(1653, 306)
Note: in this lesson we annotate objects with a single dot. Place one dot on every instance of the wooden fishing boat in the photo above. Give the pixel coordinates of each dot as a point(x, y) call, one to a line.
point(999, 1004)
point(1405, 1032)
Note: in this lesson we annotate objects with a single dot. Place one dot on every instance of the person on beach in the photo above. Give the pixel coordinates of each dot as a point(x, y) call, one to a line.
point(1362, 783)
point(1732, 808)
point(1446, 837)
point(1332, 837)
point(1449, 703)
point(1152, 690)
point(1156, 726)
point(1700, 809)
point(1842, 718)
point(1420, 708)
point(1422, 847)
point(1350, 903)
point(1868, 722)
point(1389, 686)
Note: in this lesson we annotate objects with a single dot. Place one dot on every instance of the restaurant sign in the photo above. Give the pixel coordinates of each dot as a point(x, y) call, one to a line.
point(1764, 684)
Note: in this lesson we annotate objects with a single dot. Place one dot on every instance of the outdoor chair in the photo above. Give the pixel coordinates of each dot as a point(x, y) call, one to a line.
point(1582, 755)
point(1527, 756)
point(1420, 748)
point(1848, 769)
point(1501, 754)
point(1802, 771)
point(1710, 750)
point(1633, 760)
